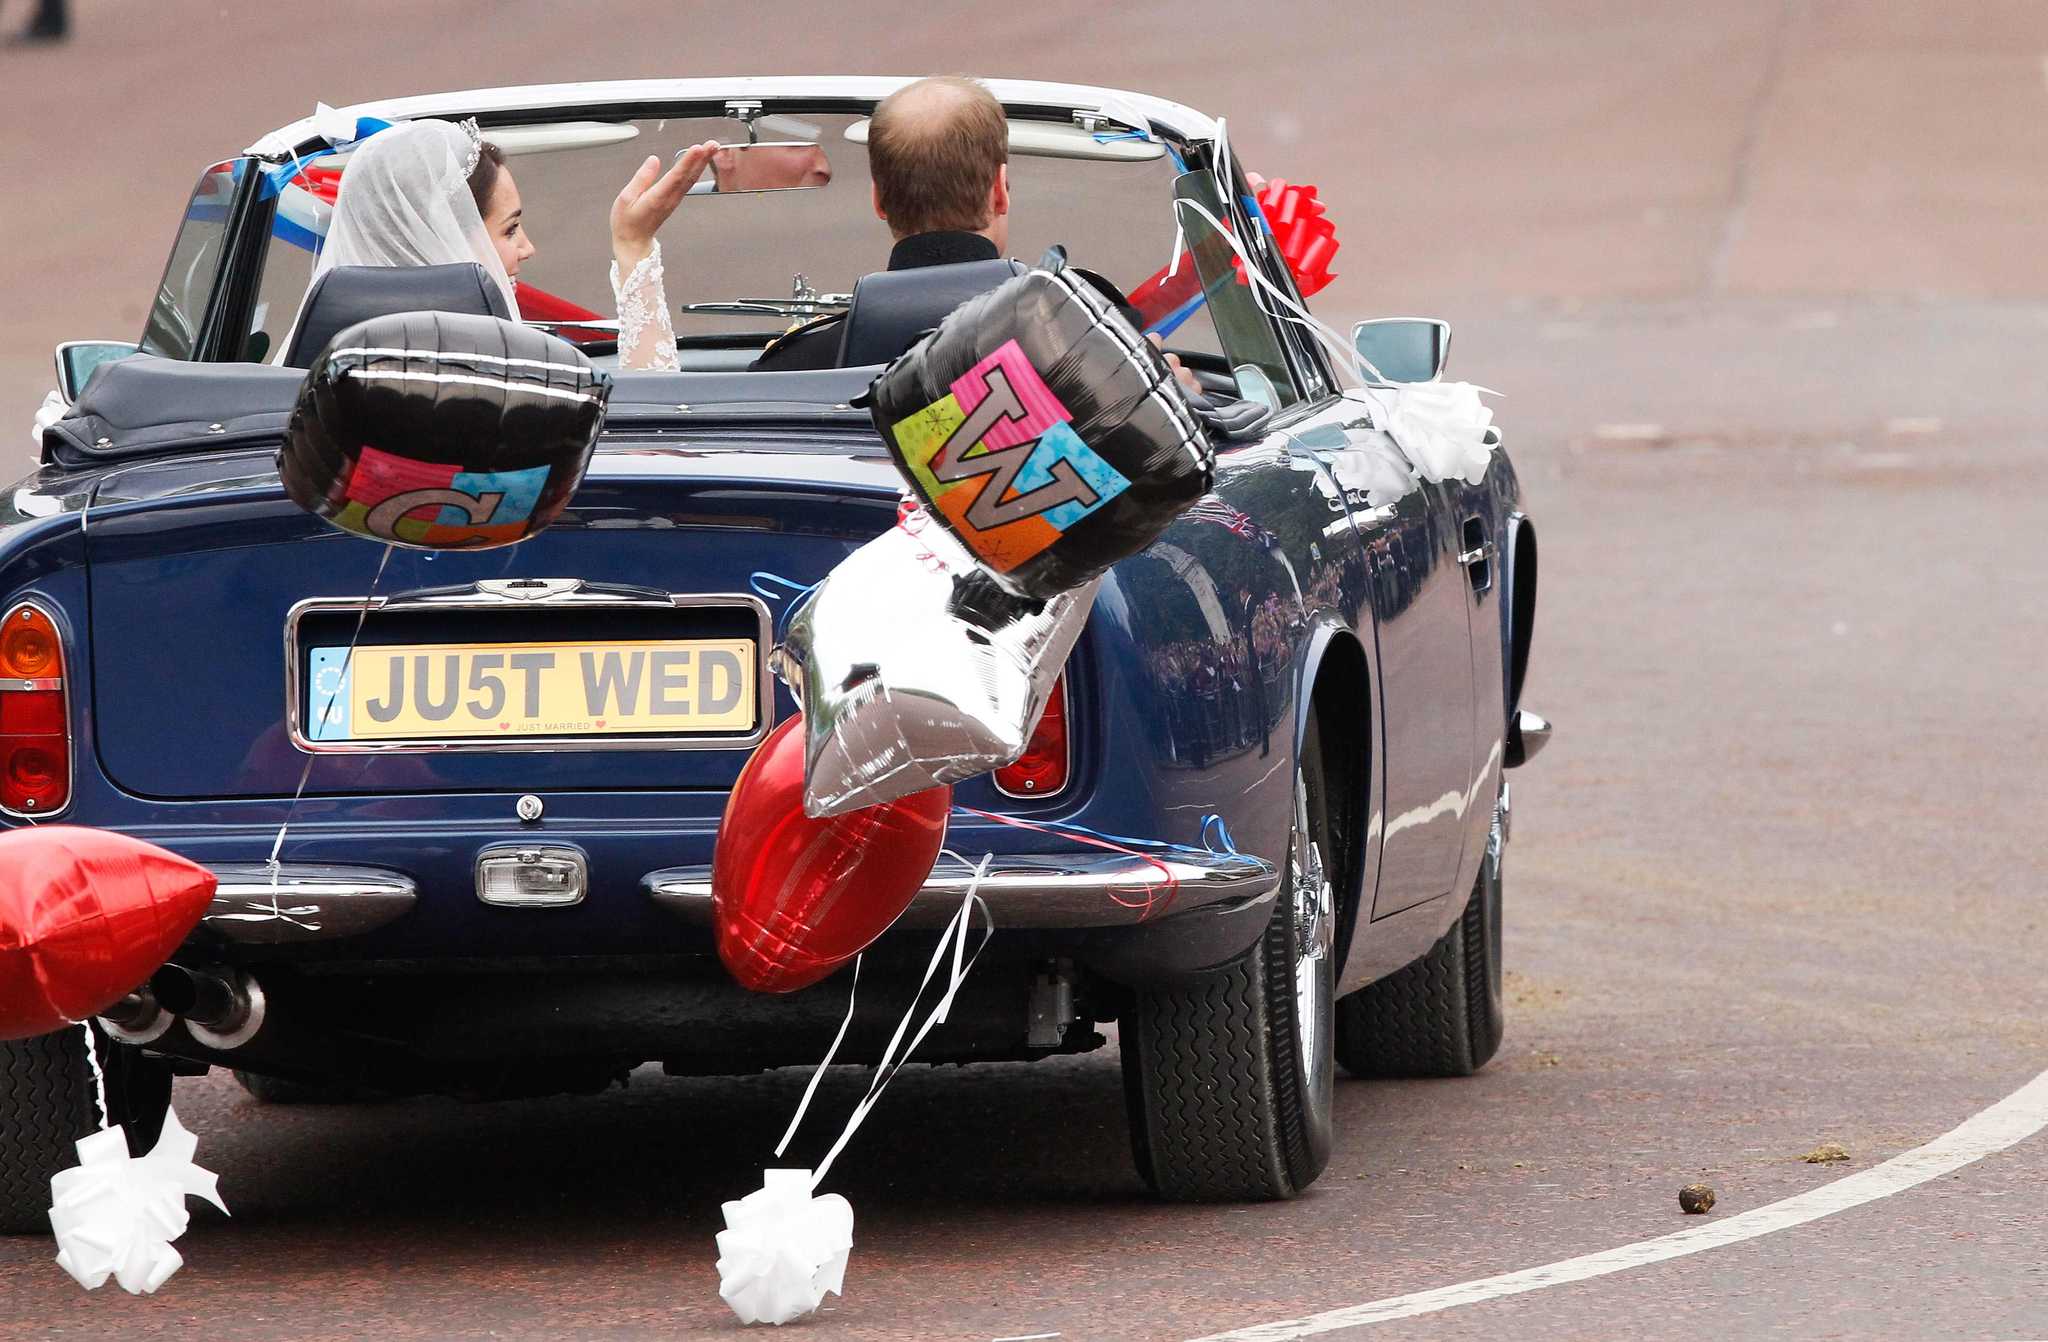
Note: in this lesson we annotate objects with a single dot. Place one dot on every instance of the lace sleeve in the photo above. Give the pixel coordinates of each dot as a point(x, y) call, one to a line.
point(646, 338)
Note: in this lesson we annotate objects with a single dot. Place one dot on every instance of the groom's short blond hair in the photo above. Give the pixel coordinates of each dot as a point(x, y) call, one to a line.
point(934, 149)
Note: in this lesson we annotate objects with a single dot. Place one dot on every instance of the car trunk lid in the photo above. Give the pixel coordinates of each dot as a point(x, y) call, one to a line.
point(199, 567)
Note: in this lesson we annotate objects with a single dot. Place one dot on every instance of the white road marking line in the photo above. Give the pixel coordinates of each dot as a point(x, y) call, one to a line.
point(2012, 1120)
point(1629, 433)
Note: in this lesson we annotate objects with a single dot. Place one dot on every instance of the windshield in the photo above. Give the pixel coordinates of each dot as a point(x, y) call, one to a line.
point(792, 219)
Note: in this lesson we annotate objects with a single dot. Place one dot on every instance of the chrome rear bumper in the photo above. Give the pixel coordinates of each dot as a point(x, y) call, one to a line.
point(259, 905)
point(256, 904)
point(1043, 890)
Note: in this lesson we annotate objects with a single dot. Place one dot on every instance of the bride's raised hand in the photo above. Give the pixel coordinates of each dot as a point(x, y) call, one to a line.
point(650, 198)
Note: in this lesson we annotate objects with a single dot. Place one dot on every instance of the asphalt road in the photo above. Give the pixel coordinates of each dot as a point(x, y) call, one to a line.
point(1764, 289)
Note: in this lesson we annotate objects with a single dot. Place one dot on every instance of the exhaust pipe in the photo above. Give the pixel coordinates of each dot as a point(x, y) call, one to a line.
point(136, 1018)
point(222, 1008)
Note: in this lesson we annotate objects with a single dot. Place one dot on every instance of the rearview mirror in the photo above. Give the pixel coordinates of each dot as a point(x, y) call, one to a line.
point(1403, 349)
point(76, 360)
point(771, 165)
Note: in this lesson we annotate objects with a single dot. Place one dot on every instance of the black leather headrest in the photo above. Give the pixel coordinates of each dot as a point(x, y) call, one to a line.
point(346, 295)
point(892, 308)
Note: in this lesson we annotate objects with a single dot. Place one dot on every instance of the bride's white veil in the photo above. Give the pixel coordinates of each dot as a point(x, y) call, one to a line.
point(405, 201)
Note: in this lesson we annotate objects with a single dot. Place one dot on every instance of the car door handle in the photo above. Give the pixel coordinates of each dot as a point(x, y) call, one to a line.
point(1478, 554)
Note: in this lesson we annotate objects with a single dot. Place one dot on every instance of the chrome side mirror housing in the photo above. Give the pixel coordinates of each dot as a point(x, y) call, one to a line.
point(1528, 733)
point(1402, 349)
point(76, 360)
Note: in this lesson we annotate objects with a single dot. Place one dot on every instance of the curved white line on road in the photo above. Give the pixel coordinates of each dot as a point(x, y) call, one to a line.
point(2013, 1119)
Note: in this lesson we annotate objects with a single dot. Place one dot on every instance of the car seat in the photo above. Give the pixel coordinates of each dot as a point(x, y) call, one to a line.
point(892, 309)
point(346, 295)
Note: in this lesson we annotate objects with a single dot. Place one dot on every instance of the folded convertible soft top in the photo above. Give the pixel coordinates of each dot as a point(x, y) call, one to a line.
point(146, 406)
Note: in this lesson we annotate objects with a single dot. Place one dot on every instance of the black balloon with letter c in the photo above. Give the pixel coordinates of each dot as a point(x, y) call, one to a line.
point(440, 431)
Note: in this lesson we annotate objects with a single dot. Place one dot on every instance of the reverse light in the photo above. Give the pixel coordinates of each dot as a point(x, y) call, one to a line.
point(35, 730)
point(1047, 760)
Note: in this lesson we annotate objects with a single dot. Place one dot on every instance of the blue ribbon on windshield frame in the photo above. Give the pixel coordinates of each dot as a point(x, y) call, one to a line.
point(276, 179)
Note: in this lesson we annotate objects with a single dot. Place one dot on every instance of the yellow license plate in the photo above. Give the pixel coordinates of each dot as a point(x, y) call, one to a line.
point(462, 691)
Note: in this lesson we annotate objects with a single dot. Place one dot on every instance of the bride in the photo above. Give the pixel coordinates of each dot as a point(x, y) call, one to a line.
point(428, 192)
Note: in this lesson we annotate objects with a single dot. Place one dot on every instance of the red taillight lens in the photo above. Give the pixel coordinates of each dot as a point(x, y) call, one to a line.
point(28, 646)
point(35, 741)
point(1043, 767)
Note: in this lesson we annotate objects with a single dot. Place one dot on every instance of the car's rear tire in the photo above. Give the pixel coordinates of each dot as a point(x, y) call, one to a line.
point(48, 1101)
point(1442, 1015)
point(1228, 1078)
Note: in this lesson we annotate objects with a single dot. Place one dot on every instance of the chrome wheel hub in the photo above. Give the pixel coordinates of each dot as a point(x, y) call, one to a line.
point(1315, 931)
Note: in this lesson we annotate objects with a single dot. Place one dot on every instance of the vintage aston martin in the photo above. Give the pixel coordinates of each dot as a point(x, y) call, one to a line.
point(1284, 726)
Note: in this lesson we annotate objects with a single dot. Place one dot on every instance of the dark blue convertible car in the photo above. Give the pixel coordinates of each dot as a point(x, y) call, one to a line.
point(1260, 830)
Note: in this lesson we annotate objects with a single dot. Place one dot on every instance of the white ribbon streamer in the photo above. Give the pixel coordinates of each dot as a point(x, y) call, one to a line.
point(115, 1215)
point(785, 1245)
point(99, 1075)
point(955, 939)
point(818, 1073)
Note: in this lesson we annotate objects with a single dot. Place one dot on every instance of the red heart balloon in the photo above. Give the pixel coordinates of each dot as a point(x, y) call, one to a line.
point(795, 898)
point(86, 915)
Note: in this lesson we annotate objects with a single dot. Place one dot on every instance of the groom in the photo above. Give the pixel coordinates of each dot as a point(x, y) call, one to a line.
point(939, 153)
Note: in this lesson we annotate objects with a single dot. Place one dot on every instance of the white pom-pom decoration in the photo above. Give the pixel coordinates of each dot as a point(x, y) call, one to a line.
point(115, 1215)
point(1442, 428)
point(783, 1249)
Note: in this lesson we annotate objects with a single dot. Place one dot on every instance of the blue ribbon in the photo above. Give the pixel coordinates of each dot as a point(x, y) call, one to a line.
point(764, 585)
point(276, 179)
point(1173, 320)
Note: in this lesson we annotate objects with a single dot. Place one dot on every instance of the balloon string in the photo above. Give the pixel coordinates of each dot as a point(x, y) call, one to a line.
point(326, 713)
point(1215, 835)
point(907, 511)
point(830, 1053)
point(1151, 902)
point(99, 1076)
point(955, 940)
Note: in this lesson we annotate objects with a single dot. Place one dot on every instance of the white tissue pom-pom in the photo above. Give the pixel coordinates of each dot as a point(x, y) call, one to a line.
point(1441, 426)
point(783, 1249)
point(116, 1215)
point(49, 412)
point(1378, 479)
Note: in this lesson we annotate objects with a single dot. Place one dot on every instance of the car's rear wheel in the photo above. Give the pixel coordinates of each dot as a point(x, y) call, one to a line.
point(1442, 1015)
point(1229, 1077)
point(48, 1101)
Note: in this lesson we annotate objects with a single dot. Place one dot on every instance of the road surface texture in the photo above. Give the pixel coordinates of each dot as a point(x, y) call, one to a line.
point(1765, 288)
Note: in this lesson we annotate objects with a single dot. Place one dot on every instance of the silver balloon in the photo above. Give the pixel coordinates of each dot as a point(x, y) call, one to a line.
point(916, 668)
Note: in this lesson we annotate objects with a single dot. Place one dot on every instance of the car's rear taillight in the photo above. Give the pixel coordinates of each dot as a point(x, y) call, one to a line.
point(35, 733)
point(1043, 767)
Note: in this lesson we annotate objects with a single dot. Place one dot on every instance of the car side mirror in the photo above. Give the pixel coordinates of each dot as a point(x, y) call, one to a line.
point(76, 360)
point(1403, 349)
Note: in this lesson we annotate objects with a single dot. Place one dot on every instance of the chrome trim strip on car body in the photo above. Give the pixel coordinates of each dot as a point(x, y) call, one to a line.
point(261, 905)
point(547, 594)
point(63, 683)
point(1043, 890)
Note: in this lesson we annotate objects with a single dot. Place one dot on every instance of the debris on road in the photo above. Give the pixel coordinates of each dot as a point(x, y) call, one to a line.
point(1695, 1199)
point(1827, 1153)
